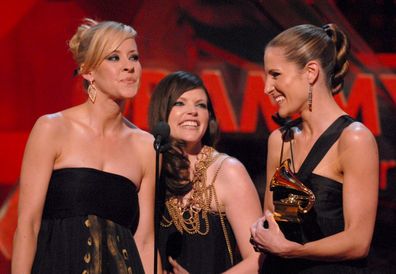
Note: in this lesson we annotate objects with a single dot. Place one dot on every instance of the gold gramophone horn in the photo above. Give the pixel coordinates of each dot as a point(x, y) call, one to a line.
point(289, 208)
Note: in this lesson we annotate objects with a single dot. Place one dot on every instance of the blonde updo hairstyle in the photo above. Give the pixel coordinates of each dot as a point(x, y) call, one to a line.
point(94, 41)
point(327, 44)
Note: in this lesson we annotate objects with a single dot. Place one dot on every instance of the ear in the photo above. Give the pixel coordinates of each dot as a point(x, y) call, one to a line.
point(88, 76)
point(312, 70)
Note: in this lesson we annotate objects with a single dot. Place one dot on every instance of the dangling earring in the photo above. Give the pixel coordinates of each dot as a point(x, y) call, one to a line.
point(92, 92)
point(310, 98)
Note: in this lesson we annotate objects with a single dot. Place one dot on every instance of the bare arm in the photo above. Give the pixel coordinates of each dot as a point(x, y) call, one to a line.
point(144, 235)
point(359, 160)
point(274, 148)
point(242, 207)
point(37, 165)
point(358, 156)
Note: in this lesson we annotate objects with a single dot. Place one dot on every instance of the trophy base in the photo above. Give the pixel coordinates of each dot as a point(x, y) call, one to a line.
point(286, 212)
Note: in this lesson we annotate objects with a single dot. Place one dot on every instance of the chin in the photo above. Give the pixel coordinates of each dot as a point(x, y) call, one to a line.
point(283, 113)
point(287, 113)
point(191, 140)
point(130, 94)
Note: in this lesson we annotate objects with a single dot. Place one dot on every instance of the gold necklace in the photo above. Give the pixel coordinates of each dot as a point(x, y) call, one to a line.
point(186, 217)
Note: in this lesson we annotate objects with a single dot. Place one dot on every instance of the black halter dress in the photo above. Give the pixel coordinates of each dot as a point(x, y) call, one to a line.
point(324, 219)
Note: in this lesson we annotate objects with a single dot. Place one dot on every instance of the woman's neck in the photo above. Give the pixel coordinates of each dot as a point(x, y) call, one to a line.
point(104, 117)
point(192, 150)
point(325, 110)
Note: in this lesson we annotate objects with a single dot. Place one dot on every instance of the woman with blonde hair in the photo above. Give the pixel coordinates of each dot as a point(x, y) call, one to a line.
point(87, 179)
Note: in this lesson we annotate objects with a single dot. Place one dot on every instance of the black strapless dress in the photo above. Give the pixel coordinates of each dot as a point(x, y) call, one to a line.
point(88, 223)
point(324, 219)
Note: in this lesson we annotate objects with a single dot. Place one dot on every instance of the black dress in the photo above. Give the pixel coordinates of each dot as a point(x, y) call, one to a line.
point(88, 223)
point(324, 219)
point(207, 244)
point(199, 254)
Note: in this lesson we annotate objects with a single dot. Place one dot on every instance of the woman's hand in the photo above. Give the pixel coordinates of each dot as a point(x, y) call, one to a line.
point(177, 269)
point(271, 239)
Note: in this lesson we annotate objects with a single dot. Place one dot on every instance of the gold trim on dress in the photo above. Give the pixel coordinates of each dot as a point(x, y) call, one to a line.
point(185, 216)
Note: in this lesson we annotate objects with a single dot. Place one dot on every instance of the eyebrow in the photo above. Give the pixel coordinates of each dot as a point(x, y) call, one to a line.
point(272, 71)
point(131, 51)
point(195, 101)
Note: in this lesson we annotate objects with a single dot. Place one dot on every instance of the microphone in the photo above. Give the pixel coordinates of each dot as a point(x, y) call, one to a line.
point(161, 133)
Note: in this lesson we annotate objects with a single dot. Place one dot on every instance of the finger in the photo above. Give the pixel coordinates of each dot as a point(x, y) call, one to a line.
point(260, 223)
point(173, 262)
point(253, 229)
point(176, 267)
point(270, 219)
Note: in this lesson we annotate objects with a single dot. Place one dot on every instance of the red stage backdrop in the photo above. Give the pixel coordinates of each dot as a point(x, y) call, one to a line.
point(223, 42)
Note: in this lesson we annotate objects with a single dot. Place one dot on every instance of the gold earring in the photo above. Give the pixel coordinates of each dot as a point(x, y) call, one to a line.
point(310, 98)
point(92, 92)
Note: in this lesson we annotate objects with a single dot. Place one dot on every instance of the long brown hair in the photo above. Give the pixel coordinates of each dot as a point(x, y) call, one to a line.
point(175, 171)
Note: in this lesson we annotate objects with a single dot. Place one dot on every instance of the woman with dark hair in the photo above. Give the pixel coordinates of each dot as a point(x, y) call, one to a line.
point(87, 172)
point(322, 170)
point(209, 199)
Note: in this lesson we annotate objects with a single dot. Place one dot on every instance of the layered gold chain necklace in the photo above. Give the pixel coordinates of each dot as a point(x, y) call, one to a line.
point(185, 216)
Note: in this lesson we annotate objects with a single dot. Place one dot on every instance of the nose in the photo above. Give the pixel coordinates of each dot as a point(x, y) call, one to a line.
point(192, 110)
point(268, 88)
point(129, 67)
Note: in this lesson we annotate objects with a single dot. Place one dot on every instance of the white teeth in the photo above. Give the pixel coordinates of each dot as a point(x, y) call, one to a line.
point(189, 123)
point(279, 99)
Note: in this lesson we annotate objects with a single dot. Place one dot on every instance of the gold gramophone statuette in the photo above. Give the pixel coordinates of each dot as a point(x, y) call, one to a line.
point(289, 209)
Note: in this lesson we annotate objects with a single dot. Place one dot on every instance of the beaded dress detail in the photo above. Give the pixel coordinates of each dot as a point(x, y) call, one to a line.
point(200, 239)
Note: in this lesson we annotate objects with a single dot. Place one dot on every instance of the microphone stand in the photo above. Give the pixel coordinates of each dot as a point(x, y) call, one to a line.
point(161, 133)
point(158, 150)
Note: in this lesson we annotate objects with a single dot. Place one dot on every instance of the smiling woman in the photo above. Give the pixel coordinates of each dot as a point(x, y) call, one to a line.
point(322, 171)
point(190, 128)
point(87, 170)
point(209, 199)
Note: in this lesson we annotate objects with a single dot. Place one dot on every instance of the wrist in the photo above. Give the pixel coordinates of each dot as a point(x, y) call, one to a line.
point(291, 250)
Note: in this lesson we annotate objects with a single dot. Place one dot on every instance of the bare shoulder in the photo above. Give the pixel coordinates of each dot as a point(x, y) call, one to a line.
point(275, 140)
point(49, 124)
point(142, 141)
point(275, 137)
point(274, 145)
point(357, 145)
point(357, 136)
point(233, 173)
point(142, 136)
point(234, 183)
point(61, 120)
point(46, 137)
point(231, 165)
point(58, 126)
